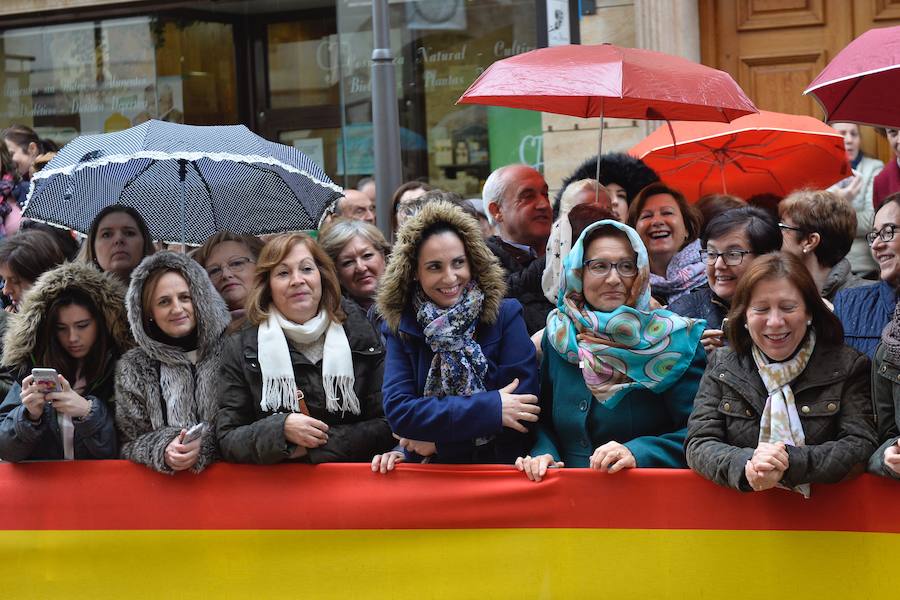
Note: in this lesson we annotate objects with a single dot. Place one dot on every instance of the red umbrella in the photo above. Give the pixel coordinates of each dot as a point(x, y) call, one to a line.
point(767, 152)
point(860, 84)
point(610, 81)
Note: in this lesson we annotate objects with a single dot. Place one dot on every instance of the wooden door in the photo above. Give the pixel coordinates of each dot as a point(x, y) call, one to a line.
point(775, 48)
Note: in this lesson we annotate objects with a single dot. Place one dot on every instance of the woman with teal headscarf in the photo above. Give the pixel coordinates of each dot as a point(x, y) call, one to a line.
point(618, 379)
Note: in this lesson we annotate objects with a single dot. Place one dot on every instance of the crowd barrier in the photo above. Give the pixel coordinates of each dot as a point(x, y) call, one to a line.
point(111, 529)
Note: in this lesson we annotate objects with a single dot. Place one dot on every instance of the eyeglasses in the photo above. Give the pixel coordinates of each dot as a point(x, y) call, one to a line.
point(235, 266)
point(732, 258)
point(790, 227)
point(601, 268)
point(886, 234)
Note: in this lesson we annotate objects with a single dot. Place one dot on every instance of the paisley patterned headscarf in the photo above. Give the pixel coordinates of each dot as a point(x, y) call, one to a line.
point(628, 348)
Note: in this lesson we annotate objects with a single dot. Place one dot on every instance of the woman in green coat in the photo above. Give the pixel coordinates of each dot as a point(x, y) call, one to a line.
point(618, 379)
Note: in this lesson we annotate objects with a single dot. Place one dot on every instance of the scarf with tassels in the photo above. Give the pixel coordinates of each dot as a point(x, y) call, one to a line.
point(628, 348)
point(459, 367)
point(279, 390)
point(780, 421)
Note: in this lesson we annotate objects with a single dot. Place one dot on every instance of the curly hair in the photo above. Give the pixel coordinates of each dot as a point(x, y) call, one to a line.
point(627, 171)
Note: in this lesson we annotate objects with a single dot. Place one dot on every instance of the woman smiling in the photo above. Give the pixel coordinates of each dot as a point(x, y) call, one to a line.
point(788, 403)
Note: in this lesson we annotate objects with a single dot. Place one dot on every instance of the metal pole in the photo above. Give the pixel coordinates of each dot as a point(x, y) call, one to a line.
point(385, 118)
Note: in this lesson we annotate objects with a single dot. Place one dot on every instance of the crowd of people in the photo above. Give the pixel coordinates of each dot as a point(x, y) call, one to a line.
point(620, 326)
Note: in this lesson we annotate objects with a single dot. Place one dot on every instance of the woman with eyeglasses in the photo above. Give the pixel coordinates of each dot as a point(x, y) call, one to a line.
point(617, 379)
point(865, 310)
point(819, 228)
point(729, 244)
point(787, 404)
point(230, 260)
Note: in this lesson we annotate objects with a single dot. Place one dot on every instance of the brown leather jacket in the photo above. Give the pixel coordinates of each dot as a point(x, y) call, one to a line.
point(833, 401)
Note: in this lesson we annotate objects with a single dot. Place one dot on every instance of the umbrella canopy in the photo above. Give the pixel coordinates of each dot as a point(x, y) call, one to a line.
point(860, 84)
point(610, 81)
point(188, 182)
point(767, 152)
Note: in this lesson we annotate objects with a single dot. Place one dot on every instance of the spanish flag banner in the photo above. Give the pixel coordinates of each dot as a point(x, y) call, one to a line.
point(111, 529)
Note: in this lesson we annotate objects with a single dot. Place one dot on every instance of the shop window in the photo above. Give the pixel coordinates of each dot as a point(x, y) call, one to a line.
point(102, 76)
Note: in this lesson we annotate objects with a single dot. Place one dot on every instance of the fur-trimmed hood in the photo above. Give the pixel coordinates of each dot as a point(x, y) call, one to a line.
point(398, 282)
point(209, 308)
point(103, 289)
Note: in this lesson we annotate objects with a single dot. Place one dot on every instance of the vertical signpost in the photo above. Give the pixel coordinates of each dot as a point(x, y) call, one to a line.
point(385, 118)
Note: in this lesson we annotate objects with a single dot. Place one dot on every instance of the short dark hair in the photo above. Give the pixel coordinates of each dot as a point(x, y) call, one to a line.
point(30, 253)
point(689, 214)
point(785, 267)
point(712, 205)
point(760, 227)
point(583, 215)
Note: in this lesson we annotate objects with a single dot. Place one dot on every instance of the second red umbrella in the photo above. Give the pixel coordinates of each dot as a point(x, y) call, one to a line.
point(769, 152)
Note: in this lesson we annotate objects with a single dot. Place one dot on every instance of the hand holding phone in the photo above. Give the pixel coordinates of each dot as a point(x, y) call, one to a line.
point(193, 433)
point(47, 380)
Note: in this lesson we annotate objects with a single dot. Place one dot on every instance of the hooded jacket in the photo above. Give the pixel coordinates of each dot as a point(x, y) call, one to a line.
point(453, 422)
point(95, 437)
point(159, 390)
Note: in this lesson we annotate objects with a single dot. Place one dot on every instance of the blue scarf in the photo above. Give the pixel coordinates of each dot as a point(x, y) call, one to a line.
point(459, 367)
point(629, 348)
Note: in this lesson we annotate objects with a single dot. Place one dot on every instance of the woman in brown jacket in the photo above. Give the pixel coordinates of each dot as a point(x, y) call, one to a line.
point(788, 404)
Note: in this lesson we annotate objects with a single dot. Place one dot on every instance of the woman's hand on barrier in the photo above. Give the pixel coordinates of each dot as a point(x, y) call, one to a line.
point(892, 457)
point(712, 339)
point(770, 457)
point(182, 456)
point(68, 401)
point(612, 457)
point(535, 467)
point(419, 447)
point(761, 480)
point(386, 462)
point(518, 407)
point(32, 399)
point(305, 431)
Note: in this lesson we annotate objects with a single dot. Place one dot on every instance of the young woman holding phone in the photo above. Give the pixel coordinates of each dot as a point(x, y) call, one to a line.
point(73, 324)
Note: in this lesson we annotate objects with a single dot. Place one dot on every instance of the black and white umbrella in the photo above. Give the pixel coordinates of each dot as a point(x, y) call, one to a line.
point(188, 182)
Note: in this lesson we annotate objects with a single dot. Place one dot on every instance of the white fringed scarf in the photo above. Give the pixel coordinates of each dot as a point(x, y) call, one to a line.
point(279, 387)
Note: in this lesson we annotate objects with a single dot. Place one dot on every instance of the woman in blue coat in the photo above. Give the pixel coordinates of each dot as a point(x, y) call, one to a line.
point(617, 379)
point(460, 377)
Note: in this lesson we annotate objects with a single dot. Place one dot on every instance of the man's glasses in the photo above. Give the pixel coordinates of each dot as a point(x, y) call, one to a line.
point(601, 268)
point(732, 258)
point(236, 266)
point(886, 234)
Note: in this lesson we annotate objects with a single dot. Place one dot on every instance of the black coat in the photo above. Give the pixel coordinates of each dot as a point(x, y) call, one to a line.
point(701, 303)
point(247, 434)
point(523, 277)
point(834, 405)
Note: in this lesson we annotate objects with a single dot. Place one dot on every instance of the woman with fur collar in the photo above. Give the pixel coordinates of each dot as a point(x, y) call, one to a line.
point(460, 379)
point(72, 320)
point(301, 381)
point(168, 383)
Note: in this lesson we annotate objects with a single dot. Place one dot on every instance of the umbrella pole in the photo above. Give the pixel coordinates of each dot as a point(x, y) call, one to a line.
point(182, 174)
point(599, 154)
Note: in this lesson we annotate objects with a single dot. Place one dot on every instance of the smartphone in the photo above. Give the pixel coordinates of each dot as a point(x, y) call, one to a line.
point(193, 433)
point(725, 325)
point(47, 380)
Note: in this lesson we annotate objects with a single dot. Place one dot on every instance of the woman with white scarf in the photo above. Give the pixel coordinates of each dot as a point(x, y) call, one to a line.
point(167, 385)
point(788, 403)
point(302, 380)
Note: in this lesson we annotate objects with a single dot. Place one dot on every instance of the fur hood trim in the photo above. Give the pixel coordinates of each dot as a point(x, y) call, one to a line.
point(209, 308)
point(103, 289)
point(398, 282)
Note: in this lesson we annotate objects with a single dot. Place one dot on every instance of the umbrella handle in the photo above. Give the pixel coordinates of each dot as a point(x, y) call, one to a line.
point(599, 152)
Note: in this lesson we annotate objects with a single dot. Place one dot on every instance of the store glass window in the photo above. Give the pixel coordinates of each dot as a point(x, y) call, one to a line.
point(102, 76)
point(440, 48)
